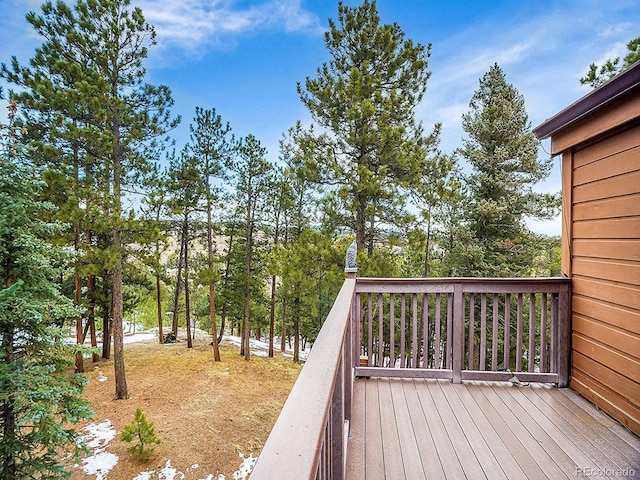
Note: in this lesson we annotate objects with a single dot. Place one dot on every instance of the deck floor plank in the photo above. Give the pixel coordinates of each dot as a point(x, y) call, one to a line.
point(596, 427)
point(415, 428)
point(460, 442)
point(473, 434)
point(496, 439)
point(393, 465)
point(627, 441)
point(581, 435)
point(429, 451)
point(516, 439)
point(374, 460)
point(356, 445)
point(411, 458)
point(551, 458)
point(446, 452)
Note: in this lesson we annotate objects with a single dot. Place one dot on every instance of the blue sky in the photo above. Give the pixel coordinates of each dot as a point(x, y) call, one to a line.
point(245, 57)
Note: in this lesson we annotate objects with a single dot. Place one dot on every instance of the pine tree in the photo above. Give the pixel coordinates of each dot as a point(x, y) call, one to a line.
point(251, 176)
point(88, 74)
point(502, 152)
point(211, 147)
point(143, 433)
point(39, 399)
point(598, 74)
point(365, 100)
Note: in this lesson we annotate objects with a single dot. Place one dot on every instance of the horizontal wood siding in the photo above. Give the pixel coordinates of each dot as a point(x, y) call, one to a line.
point(605, 267)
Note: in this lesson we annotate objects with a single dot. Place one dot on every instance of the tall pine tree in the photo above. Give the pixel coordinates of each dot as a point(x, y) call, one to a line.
point(365, 100)
point(503, 154)
point(39, 399)
point(97, 50)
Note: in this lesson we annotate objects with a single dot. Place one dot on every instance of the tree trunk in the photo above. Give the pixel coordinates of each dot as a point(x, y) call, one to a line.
point(247, 271)
point(118, 337)
point(426, 248)
point(118, 305)
point(159, 308)
point(187, 308)
point(272, 315)
point(296, 332)
point(91, 318)
point(283, 333)
point(212, 285)
point(106, 333)
point(79, 333)
point(176, 296)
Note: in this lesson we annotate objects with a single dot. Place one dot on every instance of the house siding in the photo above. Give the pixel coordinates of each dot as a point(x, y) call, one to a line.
point(603, 225)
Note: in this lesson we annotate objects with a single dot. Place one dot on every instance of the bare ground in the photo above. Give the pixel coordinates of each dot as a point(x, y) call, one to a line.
point(206, 413)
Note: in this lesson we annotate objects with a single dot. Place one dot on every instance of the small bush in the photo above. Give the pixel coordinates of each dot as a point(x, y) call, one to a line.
point(142, 432)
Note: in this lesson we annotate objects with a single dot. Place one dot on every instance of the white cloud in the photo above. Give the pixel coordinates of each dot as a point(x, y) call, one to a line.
point(193, 24)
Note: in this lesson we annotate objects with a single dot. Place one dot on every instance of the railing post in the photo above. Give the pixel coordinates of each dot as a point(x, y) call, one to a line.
point(337, 425)
point(564, 335)
point(458, 332)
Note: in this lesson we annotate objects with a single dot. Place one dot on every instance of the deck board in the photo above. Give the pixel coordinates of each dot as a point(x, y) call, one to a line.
point(421, 429)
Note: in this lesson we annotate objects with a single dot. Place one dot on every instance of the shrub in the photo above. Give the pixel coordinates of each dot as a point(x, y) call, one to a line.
point(142, 432)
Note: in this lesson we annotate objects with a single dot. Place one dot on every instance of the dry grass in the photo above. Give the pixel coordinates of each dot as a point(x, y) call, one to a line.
point(204, 412)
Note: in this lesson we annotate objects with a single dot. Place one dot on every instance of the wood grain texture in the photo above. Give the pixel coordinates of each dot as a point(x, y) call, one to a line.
point(438, 429)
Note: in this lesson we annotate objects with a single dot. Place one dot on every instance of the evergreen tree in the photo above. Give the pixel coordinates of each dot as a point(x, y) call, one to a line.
point(143, 433)
point(211, 147)
point(502, 152)
point(365, 100)
point(251, 175)
point(39, 399)
point(95, 54)
point(598, 74)
point(187, 190)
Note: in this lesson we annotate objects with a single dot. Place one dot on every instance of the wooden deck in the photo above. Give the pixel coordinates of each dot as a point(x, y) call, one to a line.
point(424, 428)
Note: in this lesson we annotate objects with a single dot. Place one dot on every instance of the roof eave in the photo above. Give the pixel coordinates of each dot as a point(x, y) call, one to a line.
point(625, 81)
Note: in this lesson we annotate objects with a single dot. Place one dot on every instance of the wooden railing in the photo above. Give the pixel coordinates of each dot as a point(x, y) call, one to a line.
point(465, 328)
point(309, 439)
point(455, 328)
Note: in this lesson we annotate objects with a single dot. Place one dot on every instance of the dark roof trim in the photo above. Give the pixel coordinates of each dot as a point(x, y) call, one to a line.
point(627, 80)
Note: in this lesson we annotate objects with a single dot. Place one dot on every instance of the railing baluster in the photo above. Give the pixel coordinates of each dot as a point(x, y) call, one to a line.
point(436, 347)
point(425, 330)
point(532, 331)
point(370, 331)
point(380, 361)
point(544, 366)
point(392, 332)
point(450, 331)
point(483, 331)
point(402, 331)
point(494, 334)
point(414, 322)
point(507, 331)
point(553, 363)
point(472, 330)
point(519, 335)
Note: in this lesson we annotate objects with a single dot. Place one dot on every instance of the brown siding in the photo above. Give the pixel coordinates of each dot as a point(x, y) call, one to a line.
point(604, 219)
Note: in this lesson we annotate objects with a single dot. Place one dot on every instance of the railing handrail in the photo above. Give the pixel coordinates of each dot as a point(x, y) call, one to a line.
point(406, 285)
point(292, 449)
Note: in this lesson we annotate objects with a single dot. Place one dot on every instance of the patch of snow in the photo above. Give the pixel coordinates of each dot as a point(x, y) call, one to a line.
point(102, 377)
point(146, 475)
point(99, 464)
point(245, 467)
point(97, 437)
point(170, 473)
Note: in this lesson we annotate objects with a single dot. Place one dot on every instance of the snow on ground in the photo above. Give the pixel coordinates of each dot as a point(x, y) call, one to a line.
point(98, 436)
point(99, 462)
